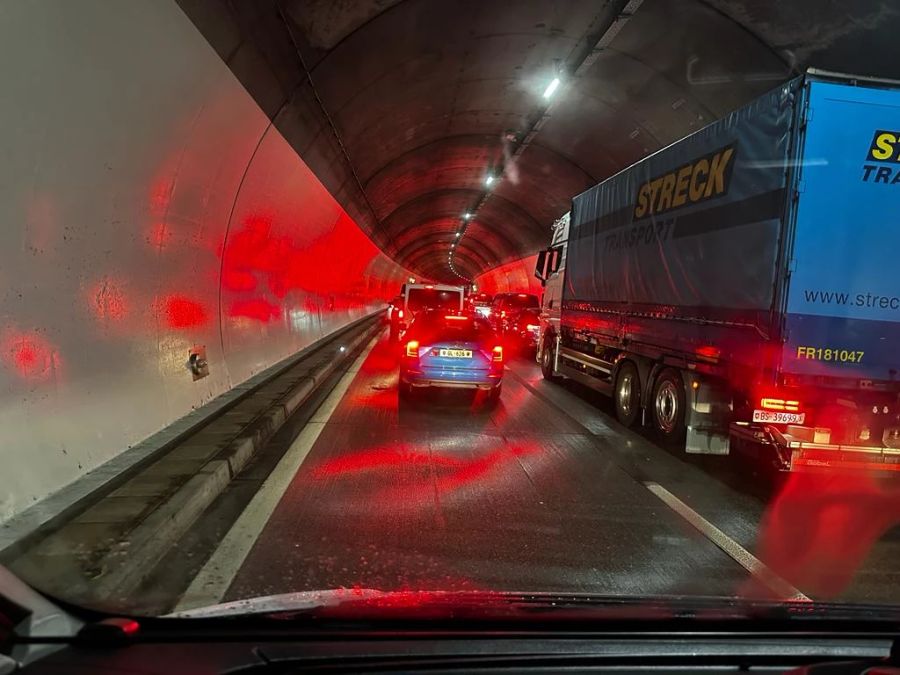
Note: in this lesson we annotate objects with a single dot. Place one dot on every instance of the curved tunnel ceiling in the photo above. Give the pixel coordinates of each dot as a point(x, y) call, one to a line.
point(403, 107)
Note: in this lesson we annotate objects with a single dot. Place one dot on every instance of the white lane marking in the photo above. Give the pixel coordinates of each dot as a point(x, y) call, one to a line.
point(737, 552)
point(214, 579)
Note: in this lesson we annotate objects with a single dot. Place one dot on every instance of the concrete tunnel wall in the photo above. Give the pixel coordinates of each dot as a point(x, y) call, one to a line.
point(516, 276)
point(147, 206)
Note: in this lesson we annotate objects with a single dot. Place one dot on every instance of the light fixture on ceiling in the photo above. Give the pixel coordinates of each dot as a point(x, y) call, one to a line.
point(457, 234)
point(551, 88)
point(489, 179)
point(467, 216)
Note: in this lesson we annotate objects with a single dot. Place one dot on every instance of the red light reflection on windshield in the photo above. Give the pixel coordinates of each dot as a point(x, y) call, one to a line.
point(820, 528)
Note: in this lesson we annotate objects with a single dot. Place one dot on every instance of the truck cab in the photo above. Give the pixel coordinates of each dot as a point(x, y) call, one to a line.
point(550, 268)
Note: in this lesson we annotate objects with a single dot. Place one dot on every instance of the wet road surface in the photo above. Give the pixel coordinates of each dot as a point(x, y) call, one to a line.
point(443, 493)
point(544, 492)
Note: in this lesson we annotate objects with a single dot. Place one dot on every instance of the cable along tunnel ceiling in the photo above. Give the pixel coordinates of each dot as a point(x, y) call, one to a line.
point(402, 108)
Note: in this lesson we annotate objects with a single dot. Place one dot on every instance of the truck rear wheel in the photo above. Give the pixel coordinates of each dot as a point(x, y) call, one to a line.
point(667, 406)
point(547, 358)
point(627, 396)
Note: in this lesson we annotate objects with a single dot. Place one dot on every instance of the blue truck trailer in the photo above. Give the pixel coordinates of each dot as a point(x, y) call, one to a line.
point(740, 288)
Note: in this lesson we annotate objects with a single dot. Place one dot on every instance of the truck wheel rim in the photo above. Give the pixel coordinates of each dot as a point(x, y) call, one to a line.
point(667, 407)
point(547, 358)
point(625, 393)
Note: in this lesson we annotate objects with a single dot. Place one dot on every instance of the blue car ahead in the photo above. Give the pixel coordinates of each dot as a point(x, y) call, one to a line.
point(451, 351)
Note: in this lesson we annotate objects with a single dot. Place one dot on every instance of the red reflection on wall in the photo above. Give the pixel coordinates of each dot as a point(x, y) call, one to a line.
point(514, 277)
point(259, 310)
point(819, 529)
point(30, 355)
point(159, 235)
point(107, 300)
point(183, 312)
point(265, 260)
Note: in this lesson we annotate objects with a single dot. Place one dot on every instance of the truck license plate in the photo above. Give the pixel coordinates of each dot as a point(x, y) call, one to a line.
point(778, 417)
point(456, 353)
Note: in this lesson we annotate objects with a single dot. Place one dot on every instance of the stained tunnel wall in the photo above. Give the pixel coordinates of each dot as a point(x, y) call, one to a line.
point(147, 206)
point(513, 277)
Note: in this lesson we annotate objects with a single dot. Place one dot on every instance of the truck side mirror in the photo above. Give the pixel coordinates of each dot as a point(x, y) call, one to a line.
point(541, 265)
point(555, 255)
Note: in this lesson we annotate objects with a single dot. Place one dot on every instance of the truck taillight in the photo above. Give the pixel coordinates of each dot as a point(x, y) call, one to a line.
point(780, 404)
point(412, 349)
point(497, 354)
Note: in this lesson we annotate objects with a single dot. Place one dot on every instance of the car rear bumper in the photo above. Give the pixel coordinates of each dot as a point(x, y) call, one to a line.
point(450, 380)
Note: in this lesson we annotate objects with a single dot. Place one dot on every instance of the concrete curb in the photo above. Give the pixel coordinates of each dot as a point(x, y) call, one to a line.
point(132, 557)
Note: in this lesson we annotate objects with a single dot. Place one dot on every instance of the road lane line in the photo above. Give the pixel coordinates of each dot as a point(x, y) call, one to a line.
point(216, 576)
point(728, 545)
point(738, 553)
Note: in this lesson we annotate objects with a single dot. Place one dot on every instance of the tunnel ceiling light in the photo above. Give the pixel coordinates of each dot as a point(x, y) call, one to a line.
point(458, 233)
point(489, 179)
point(467, 216)
point(554, 83)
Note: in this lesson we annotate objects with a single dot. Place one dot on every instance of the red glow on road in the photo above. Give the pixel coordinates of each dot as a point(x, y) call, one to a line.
point(182, 312)
point(820, 528)
point(31, 356)
point(447, 473)
point(381, 458)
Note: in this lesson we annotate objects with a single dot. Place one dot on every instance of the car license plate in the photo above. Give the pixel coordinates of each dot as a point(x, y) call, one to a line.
point(456, 353)
point(778, 417)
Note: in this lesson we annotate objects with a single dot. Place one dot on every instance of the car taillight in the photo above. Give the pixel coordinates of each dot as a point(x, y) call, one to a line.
point(780, 404)
point(503, 314)
point(497, 354)
point(399, 313)
point(532, 326)
point(412, 349)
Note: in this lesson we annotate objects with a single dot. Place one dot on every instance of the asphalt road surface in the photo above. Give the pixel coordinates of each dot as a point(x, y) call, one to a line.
point(544, 492)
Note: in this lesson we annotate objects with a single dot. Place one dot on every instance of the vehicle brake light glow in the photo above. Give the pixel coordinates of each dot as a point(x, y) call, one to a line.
point(497, 354)
point(532, 326)
point(779, 404)
point(456, 318)
point(399, 313)
point(523, 295)
point(429, 286)
point(412, 349)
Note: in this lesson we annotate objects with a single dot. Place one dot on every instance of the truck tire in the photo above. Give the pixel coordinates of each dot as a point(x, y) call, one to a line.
point(667, 407)
point(547, 359)
point(627, 394)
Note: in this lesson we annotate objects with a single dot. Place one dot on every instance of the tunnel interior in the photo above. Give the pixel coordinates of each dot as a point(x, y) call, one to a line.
point(405, 109)
point(231, 183)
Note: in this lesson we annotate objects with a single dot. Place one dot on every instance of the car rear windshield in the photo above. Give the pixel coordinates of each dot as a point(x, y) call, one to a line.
point(421, 298)
point(435, 329)
point(522, 301)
